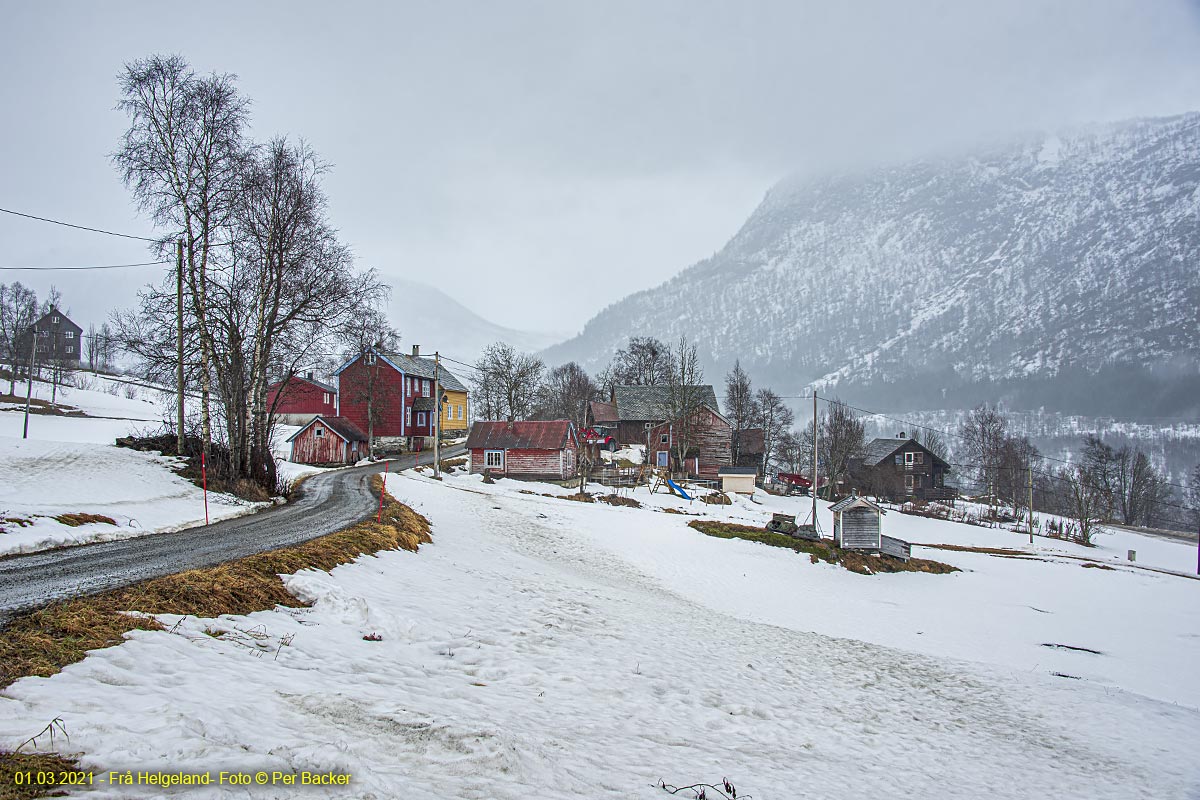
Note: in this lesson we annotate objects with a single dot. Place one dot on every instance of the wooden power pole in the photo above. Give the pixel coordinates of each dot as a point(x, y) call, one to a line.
point(437, 415)
point(1031, 501)
point(179, 346)
point(33, 336)
point(814, 463)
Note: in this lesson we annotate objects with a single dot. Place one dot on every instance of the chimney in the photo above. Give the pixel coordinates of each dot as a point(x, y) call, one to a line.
point(416, 351)
point(901, 435)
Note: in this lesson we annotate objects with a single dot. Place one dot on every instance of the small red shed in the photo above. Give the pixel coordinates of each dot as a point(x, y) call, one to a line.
point(533, 449)
point(329, 440)
point(301, 398)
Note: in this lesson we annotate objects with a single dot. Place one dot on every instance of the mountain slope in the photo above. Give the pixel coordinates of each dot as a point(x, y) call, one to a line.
point(1058, 271)
point(429, 317)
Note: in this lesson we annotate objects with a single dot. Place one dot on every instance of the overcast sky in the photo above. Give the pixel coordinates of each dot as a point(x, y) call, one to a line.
point(541, 160)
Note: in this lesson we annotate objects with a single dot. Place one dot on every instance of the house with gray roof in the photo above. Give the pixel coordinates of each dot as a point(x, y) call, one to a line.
point(901, 469)
point(698, 446)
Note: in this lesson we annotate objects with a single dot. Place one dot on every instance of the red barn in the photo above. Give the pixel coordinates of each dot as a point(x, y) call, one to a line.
point(329, 440)
point(536, 450)
point(300, 398)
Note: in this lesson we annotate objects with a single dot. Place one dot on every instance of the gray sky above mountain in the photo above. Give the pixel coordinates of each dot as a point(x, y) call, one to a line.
point(541, 160)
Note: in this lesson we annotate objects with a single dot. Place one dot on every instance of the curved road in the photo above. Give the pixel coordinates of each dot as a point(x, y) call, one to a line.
point(328, 502)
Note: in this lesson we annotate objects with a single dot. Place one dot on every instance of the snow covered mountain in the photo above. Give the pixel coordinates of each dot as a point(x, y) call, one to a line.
point(429, 317)
point(1059, 271)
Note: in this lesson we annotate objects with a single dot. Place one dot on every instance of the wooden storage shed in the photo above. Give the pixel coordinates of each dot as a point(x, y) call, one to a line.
point(858, 525)
point(329, 440)
point(532, 449)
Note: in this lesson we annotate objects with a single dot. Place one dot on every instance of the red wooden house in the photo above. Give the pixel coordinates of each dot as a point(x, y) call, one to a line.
point(300, 398)
point(329, 440)
point(396, 391)
point(535, 449)
point(710, 445)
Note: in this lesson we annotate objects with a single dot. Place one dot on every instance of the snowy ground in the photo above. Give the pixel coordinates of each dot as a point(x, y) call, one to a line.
point(546, 648)
point(70, 464)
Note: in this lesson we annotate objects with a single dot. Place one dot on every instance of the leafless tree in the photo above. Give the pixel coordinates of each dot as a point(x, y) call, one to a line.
point(1133, 490)
point(1192, 496)
point(984, 432)
point(645, 361)
point(507, 382)
point(842, 439)
point(769, 412)
point(1015, 462)
point(1083, 500)
point(685, 396)
point(183, 157)
point(933, 442)
point(565, 394)
point(18, 313)
point(739, 403)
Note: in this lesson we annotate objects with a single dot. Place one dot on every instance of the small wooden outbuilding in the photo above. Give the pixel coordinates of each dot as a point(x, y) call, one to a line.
point(532, 449)
point(329, 440)
point(737, 479)
point(858, 525)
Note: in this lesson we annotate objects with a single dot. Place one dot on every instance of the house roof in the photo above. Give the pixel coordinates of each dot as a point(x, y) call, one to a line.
point(525, 435)
point(737, 471)
point(852, 501)
point(751, 441)
point(652, 403)
point(423, 404)
point(418, 366)
point(879, 450)
point(604, 412)
point(339, 425)
point(322, 385)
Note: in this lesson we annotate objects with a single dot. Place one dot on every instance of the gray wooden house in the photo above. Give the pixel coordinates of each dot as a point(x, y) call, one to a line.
point(858, 525)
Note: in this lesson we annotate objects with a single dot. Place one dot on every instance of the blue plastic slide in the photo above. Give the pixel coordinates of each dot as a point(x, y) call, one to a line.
point(678, 491)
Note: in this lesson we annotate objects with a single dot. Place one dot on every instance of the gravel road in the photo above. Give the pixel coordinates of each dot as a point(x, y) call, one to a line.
point(328, 502)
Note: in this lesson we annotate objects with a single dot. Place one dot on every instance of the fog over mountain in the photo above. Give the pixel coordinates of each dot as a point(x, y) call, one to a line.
point(1057, 271)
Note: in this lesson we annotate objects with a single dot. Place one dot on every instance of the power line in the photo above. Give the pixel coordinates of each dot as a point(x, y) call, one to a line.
point(78, 227)
point(99, 266)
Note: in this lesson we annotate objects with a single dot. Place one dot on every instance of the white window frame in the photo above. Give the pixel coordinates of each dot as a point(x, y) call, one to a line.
point(420, 419)
point(664, 438)
point(326, 398)
point(70, 349)
point(908, 483)
point(55, 320)
point(908, 458)
point(408, 416)
point(426, 386)
point(318, 432)
point(493, 459)
point(69, 334)
point(370, 359)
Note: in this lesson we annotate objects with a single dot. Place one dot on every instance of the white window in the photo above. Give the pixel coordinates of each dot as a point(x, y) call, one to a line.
point(70, 349)
point(664, 438)
point(69, 334)
point(908, 459)
point(407, 386)
point(425, 387)
point(55, 320)
point(408, 416)
point(370, 358)
point(326, 398)
point(420, 419)
point(918, 458)
point(493, 459)
point(461, 415)
point(319, 432)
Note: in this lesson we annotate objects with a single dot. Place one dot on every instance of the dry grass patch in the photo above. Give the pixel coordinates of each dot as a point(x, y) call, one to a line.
point(824, 550)
point(75, 520)
point(43, 641)
point(448, 464)
point(12, 763)
point(618, 500)
point(717, 499)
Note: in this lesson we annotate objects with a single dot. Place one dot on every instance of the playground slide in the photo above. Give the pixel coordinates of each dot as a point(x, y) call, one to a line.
point(677, 490)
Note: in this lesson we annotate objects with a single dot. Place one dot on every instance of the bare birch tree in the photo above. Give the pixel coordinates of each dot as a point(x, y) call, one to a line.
point(685, 396)
point(18, 313)
point(507, 382)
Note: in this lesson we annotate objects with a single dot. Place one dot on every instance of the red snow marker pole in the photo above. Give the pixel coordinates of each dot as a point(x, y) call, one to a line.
point(382, 489)
point(204, 482)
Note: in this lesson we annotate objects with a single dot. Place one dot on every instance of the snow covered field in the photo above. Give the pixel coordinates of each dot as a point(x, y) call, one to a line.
point(546, 648)
point(70, 464)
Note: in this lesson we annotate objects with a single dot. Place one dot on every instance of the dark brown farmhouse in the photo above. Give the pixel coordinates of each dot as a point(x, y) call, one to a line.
point(902, 469)
point(58, 339)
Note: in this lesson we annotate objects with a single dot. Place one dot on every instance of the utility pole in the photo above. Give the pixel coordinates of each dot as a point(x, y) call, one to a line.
point(437, 430)
point(814, 463)
point(33, 336)
point(1031, 500)
point(179, 346)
